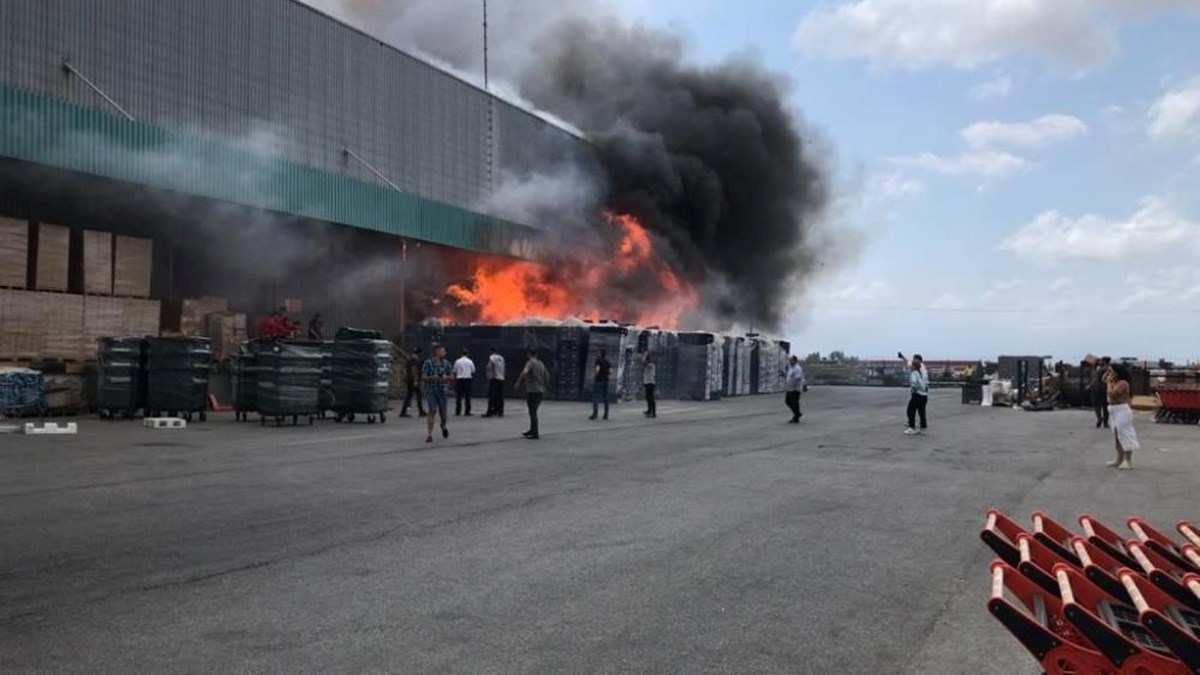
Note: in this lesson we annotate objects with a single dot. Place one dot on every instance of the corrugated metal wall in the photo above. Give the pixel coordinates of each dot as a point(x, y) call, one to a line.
point(276, 75)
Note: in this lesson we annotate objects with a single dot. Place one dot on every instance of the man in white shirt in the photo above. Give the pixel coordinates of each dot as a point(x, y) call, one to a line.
point(495, 378)
point(464, 374)
point(795, 385)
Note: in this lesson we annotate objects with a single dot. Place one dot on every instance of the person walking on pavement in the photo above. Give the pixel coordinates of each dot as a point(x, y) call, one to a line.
point(648, 379)
point(436, 374)
point(495, 377)
point(412, 384)
point(917, 400)
point(534, 378)
point(464, 375)
point(1117, 382)
point(1100, 400)
point(795, 385)
point(600, 384)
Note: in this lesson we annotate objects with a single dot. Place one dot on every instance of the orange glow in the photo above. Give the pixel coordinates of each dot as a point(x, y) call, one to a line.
point(630, 284)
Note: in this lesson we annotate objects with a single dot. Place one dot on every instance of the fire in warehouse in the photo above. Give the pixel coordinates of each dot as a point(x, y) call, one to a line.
point(574, 336)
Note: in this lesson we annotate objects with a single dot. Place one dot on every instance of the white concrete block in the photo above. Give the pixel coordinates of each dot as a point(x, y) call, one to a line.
point(164, 423)
point(50, 428)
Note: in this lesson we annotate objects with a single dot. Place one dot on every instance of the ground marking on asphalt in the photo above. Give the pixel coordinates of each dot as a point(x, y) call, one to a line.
point(333, 439)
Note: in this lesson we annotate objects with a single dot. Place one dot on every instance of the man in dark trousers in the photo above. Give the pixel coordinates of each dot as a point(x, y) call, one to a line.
point(1100, 392)
point(649, 378)
point(464, 375)
point(495, 377)
point(412, 378)
point(795, 385)
point(600, 385)
point(534, 377)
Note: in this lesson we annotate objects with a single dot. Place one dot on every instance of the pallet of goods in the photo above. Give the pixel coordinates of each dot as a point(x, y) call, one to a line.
point(134, 261)
point(14, 252)
point(97, 262)
point(53, 257)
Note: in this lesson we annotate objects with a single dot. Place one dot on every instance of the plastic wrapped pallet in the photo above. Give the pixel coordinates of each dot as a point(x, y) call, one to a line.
point(14, 252)
point(53, 257)
point(571, 351)
point(177, 371)
point(97, 262)
point(245, 375)
point(64, 392)
point(325, 398)
point(119, 379)
point(22, 392)
point(289, 378)
point(360, 376)
point(134, 263)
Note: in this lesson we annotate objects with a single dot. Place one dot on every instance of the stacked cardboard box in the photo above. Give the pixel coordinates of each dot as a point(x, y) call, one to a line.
point(14, 252)
point(116, 317)
point(134, 262)
point(227, 330)
point(186, 316)
point(53, 257)
point(62, 325)
point(21, 334)
point(97, 262)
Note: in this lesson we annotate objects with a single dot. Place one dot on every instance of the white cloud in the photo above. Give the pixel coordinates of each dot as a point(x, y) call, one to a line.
point(985, 164)
point(896, 186)
point(1177, 114)
point(948, 301)
point(1139, 296)
point(969, 33)
point(995, 89)
point(1041, 131)
point(1154, 230)
point(865, 294)
point(1061, 284)
point(1001, 288)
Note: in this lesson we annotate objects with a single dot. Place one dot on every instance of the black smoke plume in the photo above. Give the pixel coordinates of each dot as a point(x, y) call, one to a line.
point(710, 158)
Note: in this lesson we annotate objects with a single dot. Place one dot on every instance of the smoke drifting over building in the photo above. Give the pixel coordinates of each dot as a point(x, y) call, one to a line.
point(710, 158)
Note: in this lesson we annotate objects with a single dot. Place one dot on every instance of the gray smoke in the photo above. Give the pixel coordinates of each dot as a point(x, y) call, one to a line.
point(710, 158)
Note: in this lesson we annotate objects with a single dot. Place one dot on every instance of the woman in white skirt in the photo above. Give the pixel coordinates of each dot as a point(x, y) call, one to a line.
point(1121, 416)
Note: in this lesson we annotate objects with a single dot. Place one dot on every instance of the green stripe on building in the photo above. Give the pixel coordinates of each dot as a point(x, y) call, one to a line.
point(48, 131)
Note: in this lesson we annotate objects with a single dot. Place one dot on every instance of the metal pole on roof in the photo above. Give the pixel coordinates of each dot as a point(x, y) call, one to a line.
point(491, 136)
point(485, 47)
point(71, 70)
point(350, 153)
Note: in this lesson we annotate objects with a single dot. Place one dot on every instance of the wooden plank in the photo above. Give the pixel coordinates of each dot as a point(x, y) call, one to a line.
point(97, 262)
point(62, 325)
point(134, 264)
point(21, 335)
point(102, 317)
point(53, 257)
point(14, 252)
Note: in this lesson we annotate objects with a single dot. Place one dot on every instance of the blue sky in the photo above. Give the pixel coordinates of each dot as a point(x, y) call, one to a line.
point(1021, 177)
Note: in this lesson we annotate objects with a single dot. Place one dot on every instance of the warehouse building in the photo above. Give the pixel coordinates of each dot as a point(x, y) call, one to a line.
point(165, 159)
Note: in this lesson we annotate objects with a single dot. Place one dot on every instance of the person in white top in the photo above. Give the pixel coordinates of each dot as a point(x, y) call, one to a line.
point(795, 385)
point(917, 364)
point(495, 378)
point(464, 374)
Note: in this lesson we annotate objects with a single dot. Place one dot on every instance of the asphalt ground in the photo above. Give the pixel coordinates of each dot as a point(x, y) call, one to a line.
point(715, 539)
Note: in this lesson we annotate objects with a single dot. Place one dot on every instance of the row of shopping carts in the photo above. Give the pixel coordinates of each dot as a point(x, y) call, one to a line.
point(1097, 602)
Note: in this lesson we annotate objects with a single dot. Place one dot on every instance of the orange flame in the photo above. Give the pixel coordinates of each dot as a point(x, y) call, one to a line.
point(590, 285)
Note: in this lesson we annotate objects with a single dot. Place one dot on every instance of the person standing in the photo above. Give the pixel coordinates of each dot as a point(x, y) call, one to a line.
point(600, 384)
point(412, 384)
point(1100, 392)
point(918, 398)
point(495, 377)
point(917, 361)
point(534, 378)
point(1117, 389)
point(316, 327)
point(436, 374)
point(648, 379)
point(795, 385)
point(464, 374)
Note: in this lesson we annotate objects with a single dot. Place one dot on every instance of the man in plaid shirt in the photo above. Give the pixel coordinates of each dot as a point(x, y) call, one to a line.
point(436, 374)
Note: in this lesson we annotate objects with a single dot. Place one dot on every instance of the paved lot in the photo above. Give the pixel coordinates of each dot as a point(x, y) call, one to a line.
point(716, 539)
